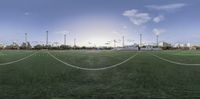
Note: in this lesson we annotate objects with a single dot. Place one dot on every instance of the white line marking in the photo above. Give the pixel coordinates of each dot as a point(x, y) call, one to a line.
point(182, 54)
point(173, 62)
point(92, 69)
point(2, 54)
point(1, 64)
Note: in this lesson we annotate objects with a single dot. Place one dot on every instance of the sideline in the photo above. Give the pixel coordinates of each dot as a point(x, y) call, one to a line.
point(173, 62)
point(182, 54)
point(92, 69)
point(8, 63)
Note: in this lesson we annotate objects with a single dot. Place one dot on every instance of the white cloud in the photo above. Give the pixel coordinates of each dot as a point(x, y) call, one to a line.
point(158, 18)
point(26, 13)
point(158, 31)
point(63, 32)
point(124, 27)
point(169, 7)
point(138, 18)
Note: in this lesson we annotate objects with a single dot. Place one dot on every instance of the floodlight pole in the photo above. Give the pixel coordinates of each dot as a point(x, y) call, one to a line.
point(122, 41)
point(26, 40)
point(64, 39)
point(26, 37)
point(140, 39)
point(47, 37)
point(157, 36)
point(74, 42)
point(114, 43)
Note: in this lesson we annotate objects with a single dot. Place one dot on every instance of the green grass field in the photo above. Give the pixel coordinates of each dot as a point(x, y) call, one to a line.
point(144, 76)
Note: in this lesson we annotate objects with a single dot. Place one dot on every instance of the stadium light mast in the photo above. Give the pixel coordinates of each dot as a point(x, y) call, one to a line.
point(26, 37)
point(26, 42)
point(74, 42)
point(122, 41)
point(157, 40)
point(64, 39)
point(47, 37)
point(140, 39)
point(114, 43)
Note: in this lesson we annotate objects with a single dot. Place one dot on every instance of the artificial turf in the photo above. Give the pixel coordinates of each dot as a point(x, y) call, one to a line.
point(143, 77)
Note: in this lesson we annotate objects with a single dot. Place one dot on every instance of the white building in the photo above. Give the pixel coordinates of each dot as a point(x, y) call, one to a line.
point(188, 45)
point(179, 45)
point(164, 44)
point(1, 46)
point(176, 45)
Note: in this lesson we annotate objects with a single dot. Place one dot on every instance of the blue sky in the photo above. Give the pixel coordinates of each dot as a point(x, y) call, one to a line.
point(100, 21)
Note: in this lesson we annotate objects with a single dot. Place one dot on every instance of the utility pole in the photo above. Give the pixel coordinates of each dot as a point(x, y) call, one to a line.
point(122, 41)
point(140, 39)
point(47, 37)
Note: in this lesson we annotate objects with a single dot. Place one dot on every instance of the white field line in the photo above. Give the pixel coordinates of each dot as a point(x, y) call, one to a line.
point(173, 62)
point(182, 54)
point(2, 54)
point(7, 63)
point(92, 69)
point(186, 54)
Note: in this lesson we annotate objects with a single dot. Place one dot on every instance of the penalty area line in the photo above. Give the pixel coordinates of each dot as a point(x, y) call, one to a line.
point(92, 69)
point(8, 63)
point(174, 62)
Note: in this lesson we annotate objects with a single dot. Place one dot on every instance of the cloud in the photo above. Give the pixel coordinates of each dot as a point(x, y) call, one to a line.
point(169, 7)
point(26, 13)
point(158, 18)
point(63, 32)
point(136, 17)
point(158, 31)
point(124, 27)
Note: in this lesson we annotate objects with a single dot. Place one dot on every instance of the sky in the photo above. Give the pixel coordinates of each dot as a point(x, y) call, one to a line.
point(100, 22)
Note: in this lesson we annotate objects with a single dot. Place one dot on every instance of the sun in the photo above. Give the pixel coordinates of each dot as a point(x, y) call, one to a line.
point(96, 30)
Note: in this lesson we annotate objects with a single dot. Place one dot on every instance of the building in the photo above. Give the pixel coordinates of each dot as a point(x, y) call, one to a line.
point(181, 45)
point(127, 48)
point(1, 46)
point(188, 45)
point(164, 44)
point(177, 45)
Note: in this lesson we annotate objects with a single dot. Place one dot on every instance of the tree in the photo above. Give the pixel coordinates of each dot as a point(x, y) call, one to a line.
point(1, 46)
point(38, 47)
point(65, 47)
point(25, 45)
point(13, 46)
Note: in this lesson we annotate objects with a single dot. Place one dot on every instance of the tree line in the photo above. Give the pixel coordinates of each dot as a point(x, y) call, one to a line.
point(27, 46)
